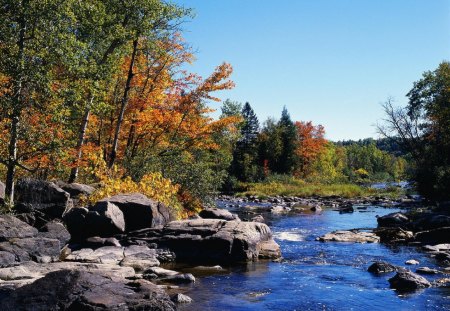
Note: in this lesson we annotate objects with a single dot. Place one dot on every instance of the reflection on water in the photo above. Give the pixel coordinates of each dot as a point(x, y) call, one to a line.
point(316, 275)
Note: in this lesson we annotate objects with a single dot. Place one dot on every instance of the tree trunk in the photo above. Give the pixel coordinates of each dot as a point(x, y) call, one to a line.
point(16, 114)
point(80, 143)
point(113, 155)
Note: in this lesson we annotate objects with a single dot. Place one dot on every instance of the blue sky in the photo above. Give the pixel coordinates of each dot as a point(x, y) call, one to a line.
point(328, 61)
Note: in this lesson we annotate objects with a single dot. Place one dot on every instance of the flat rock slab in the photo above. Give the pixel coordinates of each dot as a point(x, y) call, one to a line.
point(350, 236)
point(82, 290)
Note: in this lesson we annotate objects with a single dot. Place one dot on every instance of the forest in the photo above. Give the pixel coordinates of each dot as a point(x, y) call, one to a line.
point(97, 92)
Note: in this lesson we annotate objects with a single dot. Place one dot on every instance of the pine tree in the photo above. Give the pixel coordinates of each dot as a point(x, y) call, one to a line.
point(245, 155)
point(287, 159)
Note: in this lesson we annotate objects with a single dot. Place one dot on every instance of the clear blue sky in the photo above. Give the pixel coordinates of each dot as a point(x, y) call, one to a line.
point(328, 61)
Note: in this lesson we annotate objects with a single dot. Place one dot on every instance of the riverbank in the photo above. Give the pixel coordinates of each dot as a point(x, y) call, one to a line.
point(300, 188)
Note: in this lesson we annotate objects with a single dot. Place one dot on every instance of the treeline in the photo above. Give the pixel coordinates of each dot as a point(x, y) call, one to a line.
point(96, 92)
point(299, 149)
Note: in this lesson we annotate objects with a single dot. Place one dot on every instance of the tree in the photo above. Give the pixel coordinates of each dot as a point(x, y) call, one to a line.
point(245, 156)
point(311, 142)
point(288, 158)
point(423, 129)
point(34, 36)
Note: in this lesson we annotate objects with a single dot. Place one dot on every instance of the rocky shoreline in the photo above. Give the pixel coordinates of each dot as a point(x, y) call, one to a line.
point(109, 256)
point(112, 255)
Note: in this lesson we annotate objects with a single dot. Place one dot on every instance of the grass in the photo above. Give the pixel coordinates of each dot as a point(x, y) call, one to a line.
point(300, 188)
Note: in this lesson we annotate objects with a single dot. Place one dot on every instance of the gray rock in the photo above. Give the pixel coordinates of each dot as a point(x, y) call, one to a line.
point(212, 240)
point(105, 220)
point(217, 213)
point(353, 236)
point(279, 209)
point(392, 220)
point(316, 208)
point(11, 227)
point(7, 259)
point(180, 298)
point(44, 197)
point(408, 281)
point(380, 267)
point(431, 221)
point(55, 230)
point(426, 270)
point(76, 189)
point(81, 290)
point(36, 249)
point(412, 262)
point(140, 212)
point(394, 235)
point(96, 242)
point(106, 255)
point(259, 218)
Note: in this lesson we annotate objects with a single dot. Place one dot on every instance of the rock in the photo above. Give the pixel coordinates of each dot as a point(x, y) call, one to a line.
point(354, 236)
point(140, 258)
point(431, 221)
point(140, 212)
point(346, 209)
point(259, 218)
point(213, 240)
point(55, 230)
point(44, 197)
point(392, 220)
point(161, 272)
point(269, 250)
point(7, 259)
point(105, 219)
point(106, 255)
point(81, 290)
point(380, 267)
point(407, 281)
point(180, 298)
point(96, 242)
point(217, 213)
point(443, 282)
point(75, 189)
point(412, 262)
point(36, 249)
point(279, 209)
point(2, 193)
point(394, 235)
point(434, 236)
point(316, 208)
point(75, 220)
point(426, 270)
point(11, 227)
point(180, 278)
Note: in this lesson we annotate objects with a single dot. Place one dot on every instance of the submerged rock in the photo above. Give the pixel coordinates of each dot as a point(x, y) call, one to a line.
point(354, 236)
point(407, 281)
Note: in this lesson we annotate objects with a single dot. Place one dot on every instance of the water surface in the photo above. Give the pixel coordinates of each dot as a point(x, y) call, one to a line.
point(316, 275)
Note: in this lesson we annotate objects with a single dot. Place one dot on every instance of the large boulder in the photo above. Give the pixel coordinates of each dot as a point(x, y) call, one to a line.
point(44, 197)
point(140, 212)
point(394, 235)
point(406, 281)
point(431, 221)
point(55, 230)
point(393, 220)
point(36, 249)
point(81, 290)
point(217, 213)
point(11, 227)
point(76, 189)
point(213, 240)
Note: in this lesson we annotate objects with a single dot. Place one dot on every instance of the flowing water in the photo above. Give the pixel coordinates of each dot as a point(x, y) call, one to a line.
point(316, 275)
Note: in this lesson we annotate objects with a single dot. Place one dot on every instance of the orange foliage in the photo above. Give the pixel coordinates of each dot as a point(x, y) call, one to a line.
point(311, 144)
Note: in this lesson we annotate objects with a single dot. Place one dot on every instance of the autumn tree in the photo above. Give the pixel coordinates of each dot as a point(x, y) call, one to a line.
point(311, 142)
point(35, 36)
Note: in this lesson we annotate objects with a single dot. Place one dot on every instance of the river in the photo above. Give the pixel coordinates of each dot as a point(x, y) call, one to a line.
point(316, 275)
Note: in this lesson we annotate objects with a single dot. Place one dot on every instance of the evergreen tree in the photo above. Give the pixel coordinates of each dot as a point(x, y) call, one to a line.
point(287, 160)
point(245, 156)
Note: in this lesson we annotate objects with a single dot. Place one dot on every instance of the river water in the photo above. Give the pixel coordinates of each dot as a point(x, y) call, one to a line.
point(316, 275)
